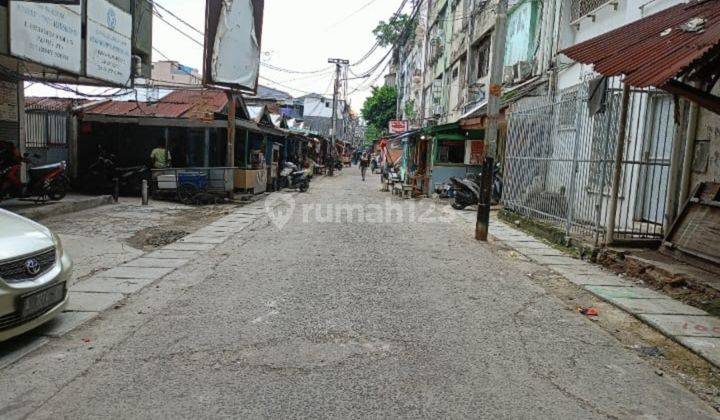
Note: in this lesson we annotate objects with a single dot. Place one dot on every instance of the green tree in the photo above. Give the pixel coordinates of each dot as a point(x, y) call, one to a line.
point(378, 110)
point(389, 33)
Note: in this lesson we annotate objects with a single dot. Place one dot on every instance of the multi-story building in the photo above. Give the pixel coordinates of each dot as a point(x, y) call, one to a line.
point(558, 153)
point(172, 73)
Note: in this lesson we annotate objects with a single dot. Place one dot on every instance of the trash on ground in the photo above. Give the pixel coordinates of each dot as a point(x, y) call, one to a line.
point(590, 312)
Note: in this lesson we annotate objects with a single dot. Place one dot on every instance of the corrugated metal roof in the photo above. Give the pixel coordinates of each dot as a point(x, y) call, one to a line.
point(188, 104)
point(655, 49)
point(53, 104)
point(140, 109)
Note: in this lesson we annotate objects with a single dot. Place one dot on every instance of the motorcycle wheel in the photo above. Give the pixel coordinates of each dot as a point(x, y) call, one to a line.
point(458, 206)
point(187, 193)
point(304, 187)
point(57, 190)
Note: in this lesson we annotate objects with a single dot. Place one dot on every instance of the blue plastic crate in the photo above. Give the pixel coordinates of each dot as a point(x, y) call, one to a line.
point(197, 179)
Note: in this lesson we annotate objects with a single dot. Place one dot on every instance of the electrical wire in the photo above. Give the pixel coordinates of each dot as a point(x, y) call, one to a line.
point(155, 3)
point(283, 70)
point(185, 34)
point(348, 17)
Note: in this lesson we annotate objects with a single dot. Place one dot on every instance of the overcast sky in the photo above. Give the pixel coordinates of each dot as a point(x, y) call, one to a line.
point(298, 34)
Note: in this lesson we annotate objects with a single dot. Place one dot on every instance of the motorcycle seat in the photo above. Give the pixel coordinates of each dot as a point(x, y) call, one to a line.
point(131, 169)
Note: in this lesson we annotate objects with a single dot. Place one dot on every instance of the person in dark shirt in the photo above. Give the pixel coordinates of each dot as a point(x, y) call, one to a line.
point(364, 163)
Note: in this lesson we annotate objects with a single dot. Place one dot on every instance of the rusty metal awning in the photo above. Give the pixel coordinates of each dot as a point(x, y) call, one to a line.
point(679, 41)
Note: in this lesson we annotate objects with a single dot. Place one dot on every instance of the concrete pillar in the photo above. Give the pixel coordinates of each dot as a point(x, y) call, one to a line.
point(206, 154)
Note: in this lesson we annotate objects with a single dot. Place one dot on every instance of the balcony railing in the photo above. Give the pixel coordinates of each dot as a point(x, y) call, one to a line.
point(582, 8)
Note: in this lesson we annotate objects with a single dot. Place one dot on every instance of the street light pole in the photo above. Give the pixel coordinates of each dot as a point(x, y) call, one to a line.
point(491, 136)
point(338, 62)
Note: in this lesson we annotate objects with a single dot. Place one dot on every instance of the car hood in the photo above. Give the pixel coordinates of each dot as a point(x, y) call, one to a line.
point(20, 236)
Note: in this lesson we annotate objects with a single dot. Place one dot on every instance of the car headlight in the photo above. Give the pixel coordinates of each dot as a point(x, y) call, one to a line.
point(58, 245)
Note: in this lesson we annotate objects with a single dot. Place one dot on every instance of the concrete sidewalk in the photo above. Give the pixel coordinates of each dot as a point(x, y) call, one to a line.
point(99, 290)
point(70, 204)
point(687, 325)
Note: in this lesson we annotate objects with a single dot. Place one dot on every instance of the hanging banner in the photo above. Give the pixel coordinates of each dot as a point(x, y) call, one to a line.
point(109, 46)
point(233, 35)
point(47, 34)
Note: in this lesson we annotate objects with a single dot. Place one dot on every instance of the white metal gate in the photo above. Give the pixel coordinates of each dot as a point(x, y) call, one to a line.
point(559, 162)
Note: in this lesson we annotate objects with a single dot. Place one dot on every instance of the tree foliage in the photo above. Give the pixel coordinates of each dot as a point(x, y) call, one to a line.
point(389, 33)
point(378, 110)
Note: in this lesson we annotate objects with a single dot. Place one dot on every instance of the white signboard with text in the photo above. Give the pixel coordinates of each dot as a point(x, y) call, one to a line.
point(48, 34)
point(109, 45)
point(398, 126)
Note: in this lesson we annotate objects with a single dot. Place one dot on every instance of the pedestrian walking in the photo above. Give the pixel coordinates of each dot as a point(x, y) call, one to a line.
point(364, 163)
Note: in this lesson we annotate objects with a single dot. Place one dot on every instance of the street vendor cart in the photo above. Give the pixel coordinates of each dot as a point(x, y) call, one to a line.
point(193, 185)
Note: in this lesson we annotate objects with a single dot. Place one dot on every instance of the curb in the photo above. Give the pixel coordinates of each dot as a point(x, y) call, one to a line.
point(688, 326)
point(64, 207)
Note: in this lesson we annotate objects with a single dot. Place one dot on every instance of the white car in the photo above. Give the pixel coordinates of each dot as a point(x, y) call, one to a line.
point(35, 275)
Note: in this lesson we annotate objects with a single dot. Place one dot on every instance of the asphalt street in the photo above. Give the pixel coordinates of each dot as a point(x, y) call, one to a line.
point(354, 308)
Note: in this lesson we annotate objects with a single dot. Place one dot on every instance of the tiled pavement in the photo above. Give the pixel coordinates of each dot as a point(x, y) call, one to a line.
point(692, 327)
point(109, 288)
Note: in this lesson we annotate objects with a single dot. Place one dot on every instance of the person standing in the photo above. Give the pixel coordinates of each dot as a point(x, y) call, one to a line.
point(364, 163)
point(160, 157)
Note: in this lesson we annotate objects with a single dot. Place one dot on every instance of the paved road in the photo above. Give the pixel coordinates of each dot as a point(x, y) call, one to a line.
point(324, 319)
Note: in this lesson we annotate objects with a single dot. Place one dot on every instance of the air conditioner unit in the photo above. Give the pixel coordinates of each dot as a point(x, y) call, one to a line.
point(522, 70)
point(508, 74)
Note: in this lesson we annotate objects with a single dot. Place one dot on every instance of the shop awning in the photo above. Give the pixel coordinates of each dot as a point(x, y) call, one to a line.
point(679, 42)
point(454, 131)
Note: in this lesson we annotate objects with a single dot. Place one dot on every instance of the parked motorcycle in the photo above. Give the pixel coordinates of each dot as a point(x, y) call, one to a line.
point(47, 182)
point(293, 177)
point(467, 190)
point(100, 176)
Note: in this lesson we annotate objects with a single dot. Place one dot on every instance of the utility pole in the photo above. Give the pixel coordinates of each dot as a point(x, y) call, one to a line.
point(338, 63)
point(491, 134)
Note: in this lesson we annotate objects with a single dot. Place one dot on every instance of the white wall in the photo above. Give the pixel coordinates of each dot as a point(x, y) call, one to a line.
point(316, 107)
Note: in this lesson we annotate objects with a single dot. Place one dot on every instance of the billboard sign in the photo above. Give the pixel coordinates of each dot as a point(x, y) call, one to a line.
point(65, 2)
point(109, 45)
point(49, 34)
point(233, 37)
point(398, 126)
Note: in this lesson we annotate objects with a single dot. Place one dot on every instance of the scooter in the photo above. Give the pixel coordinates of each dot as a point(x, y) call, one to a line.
point(467, 190)
point(293, 177)
point(100, 176)
point(47, 183)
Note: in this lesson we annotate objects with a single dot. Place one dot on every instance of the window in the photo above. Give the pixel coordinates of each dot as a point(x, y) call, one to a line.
point(450, 151)
point(36, 129)
point(327, 104)
point(482, 58)
point(45, 128)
